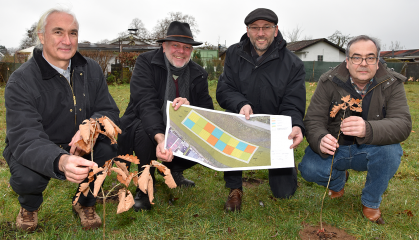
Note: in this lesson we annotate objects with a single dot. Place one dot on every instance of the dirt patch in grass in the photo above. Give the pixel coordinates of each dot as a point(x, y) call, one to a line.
point(312, 232)
point(3, 162)
point(251, 182)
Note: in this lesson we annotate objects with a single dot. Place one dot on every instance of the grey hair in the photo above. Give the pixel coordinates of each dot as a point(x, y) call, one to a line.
point(363, 38)
point(40, 27)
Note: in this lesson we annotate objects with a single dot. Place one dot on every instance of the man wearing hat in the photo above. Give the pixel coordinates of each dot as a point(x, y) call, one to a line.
point(261, 76)
point(160, 75)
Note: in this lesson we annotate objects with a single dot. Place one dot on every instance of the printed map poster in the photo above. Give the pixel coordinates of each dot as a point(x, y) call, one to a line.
point(227, 141)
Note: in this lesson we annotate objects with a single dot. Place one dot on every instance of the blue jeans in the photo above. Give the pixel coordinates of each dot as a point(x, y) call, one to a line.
point(380, 162)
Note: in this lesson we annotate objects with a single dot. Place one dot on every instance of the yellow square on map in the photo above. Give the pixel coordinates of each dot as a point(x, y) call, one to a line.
point(245, 156)
point(204, 134)
point(194, 117)
point(233, 142)
point(236, 153)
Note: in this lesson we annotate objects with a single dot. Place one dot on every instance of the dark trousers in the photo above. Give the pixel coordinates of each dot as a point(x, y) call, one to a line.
point(145, 150)
point(29, 185)
point(283, 181)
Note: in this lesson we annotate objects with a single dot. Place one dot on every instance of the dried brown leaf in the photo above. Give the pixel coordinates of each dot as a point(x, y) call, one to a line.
point(120, 173)
point(83, 146)
point(150, 189)
point(98, 183)
point(144, 178)
point(356, 109)
point(335, 110)
point(346, 98)
point(122, 166)
point(135, 179)
point(85, 131)
point(84, 188)
point(126, 201)
point(170, 182)
point(129, 158)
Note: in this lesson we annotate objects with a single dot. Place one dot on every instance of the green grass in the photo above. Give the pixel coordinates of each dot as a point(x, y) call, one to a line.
point(197, 213)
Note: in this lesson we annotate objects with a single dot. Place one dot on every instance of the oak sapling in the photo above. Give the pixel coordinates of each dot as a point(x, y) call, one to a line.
point(89, 131)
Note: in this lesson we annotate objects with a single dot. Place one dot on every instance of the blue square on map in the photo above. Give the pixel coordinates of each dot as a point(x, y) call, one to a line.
point(220, 145)
point(217, 133)
point(241, 146)
point(188, 123)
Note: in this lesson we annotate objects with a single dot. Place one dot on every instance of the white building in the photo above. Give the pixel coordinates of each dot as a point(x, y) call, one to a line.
point(321, 50)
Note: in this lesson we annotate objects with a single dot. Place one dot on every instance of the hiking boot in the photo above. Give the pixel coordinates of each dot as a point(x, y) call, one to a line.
point(141, 201)
point(26, 220)
point(234, 200)
point(88, 216)
point(181, 181)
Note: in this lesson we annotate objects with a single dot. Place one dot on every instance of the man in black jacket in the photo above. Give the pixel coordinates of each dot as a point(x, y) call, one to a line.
point(161, 75)
point(46, 100)
point(262, 76)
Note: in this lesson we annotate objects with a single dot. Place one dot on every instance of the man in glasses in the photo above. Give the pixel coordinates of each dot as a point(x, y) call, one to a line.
point(262, 76)
point(367, 140)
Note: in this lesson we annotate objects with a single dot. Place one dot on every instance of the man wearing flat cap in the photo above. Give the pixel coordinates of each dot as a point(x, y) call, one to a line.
point(160, 75)
point(261, 76)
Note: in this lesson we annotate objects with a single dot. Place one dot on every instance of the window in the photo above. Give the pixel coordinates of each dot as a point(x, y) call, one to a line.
point(320, 58)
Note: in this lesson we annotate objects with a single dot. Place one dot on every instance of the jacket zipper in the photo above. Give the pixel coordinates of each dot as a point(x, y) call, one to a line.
point(74, 98)
point(375, 87)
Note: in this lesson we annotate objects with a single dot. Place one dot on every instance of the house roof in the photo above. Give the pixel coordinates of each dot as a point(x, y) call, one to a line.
point(115, 47)
point(412, 53)
point(300, 45)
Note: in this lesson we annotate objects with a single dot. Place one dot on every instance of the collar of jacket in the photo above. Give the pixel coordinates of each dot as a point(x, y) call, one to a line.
point(49, 72)
point(245, 46)
point(341, 73)
point(158, 59)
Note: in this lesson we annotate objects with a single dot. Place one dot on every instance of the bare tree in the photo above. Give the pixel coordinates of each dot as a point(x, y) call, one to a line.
point(339, 39)
point(393, 46)
point(293, 35)
point(160, 29)
point(142, 32)
point(30, 38)
point(101, 57)
point(103, 41)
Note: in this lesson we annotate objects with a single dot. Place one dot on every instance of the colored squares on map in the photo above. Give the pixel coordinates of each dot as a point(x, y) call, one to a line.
point(218, 138)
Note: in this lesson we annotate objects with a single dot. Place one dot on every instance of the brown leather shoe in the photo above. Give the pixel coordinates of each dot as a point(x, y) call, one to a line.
point(88, 216)
point(26, 220)
point(333, 194)
point(234, 200)
point(374, 215)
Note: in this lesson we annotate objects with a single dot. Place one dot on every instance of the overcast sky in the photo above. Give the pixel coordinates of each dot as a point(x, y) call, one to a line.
point(223, 21)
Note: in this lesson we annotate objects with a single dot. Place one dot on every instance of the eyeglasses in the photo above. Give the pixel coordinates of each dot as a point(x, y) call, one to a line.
point(368, 60)
point(264, 28)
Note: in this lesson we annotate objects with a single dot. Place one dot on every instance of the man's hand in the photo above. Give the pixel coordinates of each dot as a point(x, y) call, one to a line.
point(75, 168)
point(328, 144)
point(353, 126)
point(165, 155)
point(246, 111)
point(75, 150)
point(179, 102)
point(296, 136)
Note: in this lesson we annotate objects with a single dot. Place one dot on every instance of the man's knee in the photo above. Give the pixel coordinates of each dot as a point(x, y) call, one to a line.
point(29, 183)
point(283, 182)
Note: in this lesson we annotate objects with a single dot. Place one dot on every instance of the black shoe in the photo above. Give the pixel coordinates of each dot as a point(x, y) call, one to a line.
point(141, 201)
point(181, 181)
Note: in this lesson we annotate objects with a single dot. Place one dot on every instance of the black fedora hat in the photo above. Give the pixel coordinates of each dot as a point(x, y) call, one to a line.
point(179, 32)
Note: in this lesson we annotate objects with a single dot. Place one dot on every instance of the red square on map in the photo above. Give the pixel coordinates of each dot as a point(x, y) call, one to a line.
point(250, 149)
point(209, 127)
point(228, 149)
point(212, 140)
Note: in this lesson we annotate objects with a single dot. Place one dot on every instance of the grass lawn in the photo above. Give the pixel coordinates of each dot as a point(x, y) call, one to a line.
point(197, 213)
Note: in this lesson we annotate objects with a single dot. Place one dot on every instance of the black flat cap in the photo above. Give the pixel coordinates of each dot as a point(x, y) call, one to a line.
point(261, 14)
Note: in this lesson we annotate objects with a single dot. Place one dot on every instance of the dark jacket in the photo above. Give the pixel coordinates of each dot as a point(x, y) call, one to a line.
point(43, 111)
point(148, 85)
point(384, 108)
point(275, 86)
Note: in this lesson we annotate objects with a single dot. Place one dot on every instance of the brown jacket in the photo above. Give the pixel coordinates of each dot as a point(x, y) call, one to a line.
point(385, 108)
